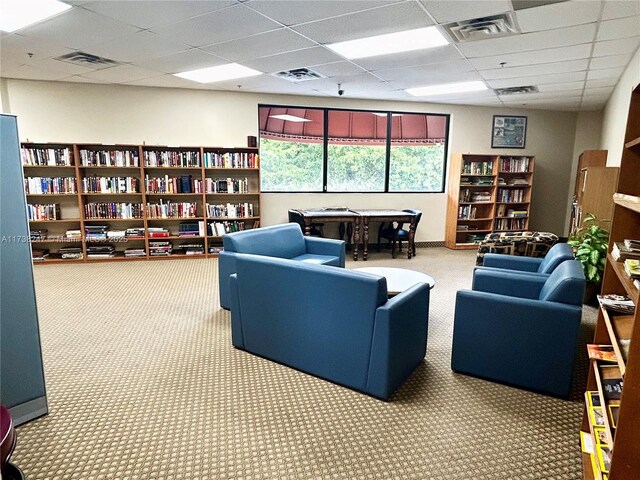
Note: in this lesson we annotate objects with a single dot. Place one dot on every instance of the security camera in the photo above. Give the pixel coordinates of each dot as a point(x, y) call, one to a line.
point(340, 90)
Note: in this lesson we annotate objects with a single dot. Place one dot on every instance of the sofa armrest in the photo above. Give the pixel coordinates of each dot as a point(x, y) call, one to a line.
point(510, 262)
point(226, 267)
point(326, 246)
point(508, 282)
point(529, 343)
point(399, 340)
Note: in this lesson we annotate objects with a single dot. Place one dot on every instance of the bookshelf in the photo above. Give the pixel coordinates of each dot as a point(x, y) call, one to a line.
point(621, 331)
point(94, 202)
point(487, 193)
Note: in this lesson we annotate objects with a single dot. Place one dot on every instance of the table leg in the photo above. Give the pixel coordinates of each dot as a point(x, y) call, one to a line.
point(356, 238)
point(411, 246)
point(365, 240)
point(307, 227)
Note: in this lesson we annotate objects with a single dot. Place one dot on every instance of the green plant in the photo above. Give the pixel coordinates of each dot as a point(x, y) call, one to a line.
point(590, 243)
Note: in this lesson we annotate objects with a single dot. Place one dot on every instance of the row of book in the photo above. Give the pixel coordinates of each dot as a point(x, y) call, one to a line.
point(44, 185)
point(97, 184)
point(476, 181)
point(167, 184)
point(230, 210)
point(106, 210)
point(168, 158)
point(44, 212)
point(629, 249)
point(172, 209)
point(109, 158)
point(227, 185)
point(511, 195)
point(467, 212)
point(503, 211)
point(231, 160)
point(477, 168)
point(513, 182)
point(47, 156)
point(510, 223)
point(221, 228)
point(514, 164)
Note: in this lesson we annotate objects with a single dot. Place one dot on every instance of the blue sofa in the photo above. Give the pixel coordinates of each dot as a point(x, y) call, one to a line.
point(333, 323)
point(557, 254)
point(520, 329)
point(282, 241)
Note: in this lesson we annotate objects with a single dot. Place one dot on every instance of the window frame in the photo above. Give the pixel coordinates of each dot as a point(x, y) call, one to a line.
point(325, 150)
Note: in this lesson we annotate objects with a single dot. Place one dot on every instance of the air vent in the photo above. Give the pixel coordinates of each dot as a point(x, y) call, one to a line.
point(516, 90)
point(298, 75)
point(87, 60)
point(482, 28)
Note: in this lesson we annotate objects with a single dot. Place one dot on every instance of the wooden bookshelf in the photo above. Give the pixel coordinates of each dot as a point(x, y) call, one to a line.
point(220, 178)
point(482, 191)
point(618, 330)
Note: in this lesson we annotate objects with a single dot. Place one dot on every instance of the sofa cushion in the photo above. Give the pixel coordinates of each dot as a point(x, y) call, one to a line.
point(318, 259)
point(283, 241)
point(565, 285)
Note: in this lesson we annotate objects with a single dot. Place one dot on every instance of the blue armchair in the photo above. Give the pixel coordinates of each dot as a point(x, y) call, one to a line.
point(520, 329)
point(283, 241)
point(557, 254)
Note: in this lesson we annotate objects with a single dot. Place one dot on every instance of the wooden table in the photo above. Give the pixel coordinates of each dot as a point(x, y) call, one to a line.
point(398, 279)
point(387, 215)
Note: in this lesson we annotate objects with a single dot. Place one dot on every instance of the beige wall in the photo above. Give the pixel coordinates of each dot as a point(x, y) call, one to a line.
point(616, 112)
point(75, 113)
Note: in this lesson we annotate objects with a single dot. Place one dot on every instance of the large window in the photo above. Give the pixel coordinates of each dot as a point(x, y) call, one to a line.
point(331, 150)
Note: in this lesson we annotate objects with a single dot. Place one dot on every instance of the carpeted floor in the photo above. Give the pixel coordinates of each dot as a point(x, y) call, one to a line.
point(143, 383)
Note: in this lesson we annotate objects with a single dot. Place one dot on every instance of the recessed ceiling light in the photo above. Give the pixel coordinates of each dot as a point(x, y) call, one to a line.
point(406, 41)
point(228, 71)
point(290, 118)
point(17, 14)
point(461, 87)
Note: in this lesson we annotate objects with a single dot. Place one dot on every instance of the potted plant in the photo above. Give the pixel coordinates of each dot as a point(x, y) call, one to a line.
point(590, 244)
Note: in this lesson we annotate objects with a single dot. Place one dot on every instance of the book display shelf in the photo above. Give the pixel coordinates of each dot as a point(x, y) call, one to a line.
point(93, 202)
point(487, 194)
point(614, 431)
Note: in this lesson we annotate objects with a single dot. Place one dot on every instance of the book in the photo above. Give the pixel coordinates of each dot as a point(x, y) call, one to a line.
point(620, 252)
point(604, 458)
point(611, 387)
point(632, 268)
point(602, 352)
point(600, 436)
point(632, 244)
point(617, 303)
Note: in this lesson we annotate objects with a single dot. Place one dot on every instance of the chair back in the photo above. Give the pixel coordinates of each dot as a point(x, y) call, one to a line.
point(557, 254)
point(417, 213)
point(566, 284)
point(284, 241)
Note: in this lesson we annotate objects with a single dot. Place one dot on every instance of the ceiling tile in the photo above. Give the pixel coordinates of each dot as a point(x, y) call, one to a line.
point(540, 69)
point(615, 47)
point(537, 80)
point(455, 10)
point(60, 66)
point(436, 77)
point(78, 29)
point(184, 61)
point(561, 54)
point(601, 82)
point(610, 61)
point(29, 72)
point(138, 46)
point(562, 37)
point(300, 58)
point(164, 81)
point(81, 79)
point(150, 13)
point(262, 81)
point(446, 70)
point(410, 59)
point(598, 91)
point(18, 47)
point(406, 16)
point(220, 26)
point(261, 45)
point(558, 15)
point(337, 69)
point(292, 13)
point(559, 87)
point(620, 8)
point(605, 73)
point(619, 28)
point(121, 74)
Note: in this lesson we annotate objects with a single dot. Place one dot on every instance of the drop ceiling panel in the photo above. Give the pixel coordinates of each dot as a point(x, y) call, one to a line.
point(338, 69)
point(192, 59)
point(561, 54)
point(410, 59)
point(615, 47)
point(81, 79)
point(261, 45)
point(121, 74)
point(562, 37)
point(620, 28)
point(559, 87)
point(558, 15)
point(436, 78)
point(166, 80)
point(601, 82)
point(292, 13)
point(610, 61)
point(620, 8)
point(605, 73)
point(455, 10)
point(537, 80)
point(60, 66)
point(598, 92)
point(29, 72)
point(540, 69)
point(138, 47)
point(300, 58)
point(220, 26)
point(423, 72)
point(78, 29)
point(149, 13)
point(379, 21)
point(18, 47)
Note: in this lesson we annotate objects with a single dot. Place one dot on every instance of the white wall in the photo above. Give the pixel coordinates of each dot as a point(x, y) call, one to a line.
point(76, 113)
point(616, 112)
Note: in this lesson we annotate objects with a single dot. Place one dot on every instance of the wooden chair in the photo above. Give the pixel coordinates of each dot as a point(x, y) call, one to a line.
point(394, 232)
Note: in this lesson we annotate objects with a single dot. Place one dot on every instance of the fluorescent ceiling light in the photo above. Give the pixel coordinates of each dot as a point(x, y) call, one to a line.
point(475, 86)
point(17, 14)
point(406, 41)
point(290, 118)
point(229, 71)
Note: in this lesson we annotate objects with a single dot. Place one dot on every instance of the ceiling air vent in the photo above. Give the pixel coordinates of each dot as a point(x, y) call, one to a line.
point(87, 60)
point(516, 90)
point(298, 75)
point(482, 28)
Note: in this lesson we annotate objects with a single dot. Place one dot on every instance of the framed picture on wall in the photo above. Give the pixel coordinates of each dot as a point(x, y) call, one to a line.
point(508, 131)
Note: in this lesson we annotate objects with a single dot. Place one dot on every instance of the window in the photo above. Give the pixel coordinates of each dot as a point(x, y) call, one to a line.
point(335, 150)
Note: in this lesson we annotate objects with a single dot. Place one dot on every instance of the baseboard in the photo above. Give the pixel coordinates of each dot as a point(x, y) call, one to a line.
point(25, 412)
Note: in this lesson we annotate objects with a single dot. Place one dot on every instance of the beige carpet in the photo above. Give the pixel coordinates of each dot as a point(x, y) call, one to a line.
point(143, 383)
